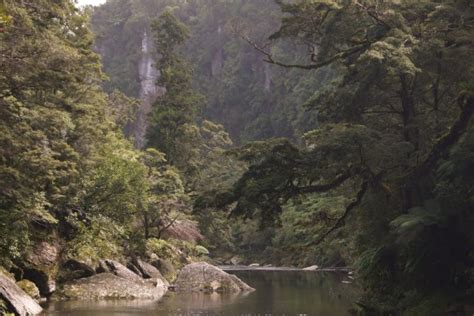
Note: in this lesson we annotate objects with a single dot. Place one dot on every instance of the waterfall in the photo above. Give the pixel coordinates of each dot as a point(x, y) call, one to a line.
point(149, 91)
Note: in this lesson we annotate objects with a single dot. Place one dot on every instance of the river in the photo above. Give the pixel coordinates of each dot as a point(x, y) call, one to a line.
point(277, 293)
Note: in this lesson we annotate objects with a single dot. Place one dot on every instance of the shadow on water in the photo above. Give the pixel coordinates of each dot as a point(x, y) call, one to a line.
point(277, 293)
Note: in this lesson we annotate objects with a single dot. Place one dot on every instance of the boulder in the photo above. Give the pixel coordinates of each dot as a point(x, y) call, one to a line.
point(201, 276)
point(311, 268)
point(17, 300)
point(146, 271)
point(74, 269)
point(108, 285)
point(166, 268)
point(254, 265)
point(102, 267)
point(122, 271)
point(29, 288)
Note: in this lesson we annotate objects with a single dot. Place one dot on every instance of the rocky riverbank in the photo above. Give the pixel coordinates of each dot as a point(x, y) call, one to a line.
point(136, 279)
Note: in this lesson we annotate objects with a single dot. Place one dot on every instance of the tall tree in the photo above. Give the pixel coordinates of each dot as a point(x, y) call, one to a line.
point(174, 114)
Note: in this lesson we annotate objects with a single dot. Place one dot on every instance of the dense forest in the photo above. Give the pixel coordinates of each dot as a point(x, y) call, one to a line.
point(290, 133)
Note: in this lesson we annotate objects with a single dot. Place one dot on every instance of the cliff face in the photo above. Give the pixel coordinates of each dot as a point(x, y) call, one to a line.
point(252, 99)
point(149, 91)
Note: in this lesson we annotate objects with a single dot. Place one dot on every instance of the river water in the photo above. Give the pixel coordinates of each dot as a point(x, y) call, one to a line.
point(277, 293)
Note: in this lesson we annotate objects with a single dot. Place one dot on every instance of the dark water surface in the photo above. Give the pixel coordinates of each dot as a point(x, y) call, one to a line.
point(277, 293)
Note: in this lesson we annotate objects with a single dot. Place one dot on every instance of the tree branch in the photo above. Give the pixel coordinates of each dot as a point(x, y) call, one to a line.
point(323, 187)
point(269, 57)
point(341, 221)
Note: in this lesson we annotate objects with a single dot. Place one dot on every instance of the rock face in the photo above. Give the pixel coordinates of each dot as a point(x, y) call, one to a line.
point(40, 266)
point(18, 300)
point(202, 276)
point(108, 285)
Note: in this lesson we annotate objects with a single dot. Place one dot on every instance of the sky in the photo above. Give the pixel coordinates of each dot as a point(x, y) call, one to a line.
point(93, 2)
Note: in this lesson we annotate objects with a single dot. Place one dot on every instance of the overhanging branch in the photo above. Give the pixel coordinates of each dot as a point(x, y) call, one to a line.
point(341, 221)
point(339, 56)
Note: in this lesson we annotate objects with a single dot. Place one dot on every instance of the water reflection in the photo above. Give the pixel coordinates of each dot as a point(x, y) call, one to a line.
point(277, 293)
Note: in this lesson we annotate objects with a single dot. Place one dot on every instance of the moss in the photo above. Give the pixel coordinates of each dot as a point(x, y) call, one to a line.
point(29, 287)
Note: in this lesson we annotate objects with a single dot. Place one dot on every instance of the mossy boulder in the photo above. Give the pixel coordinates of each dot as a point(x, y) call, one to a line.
point(29, 287)
point(110, 286)
point(201, 276)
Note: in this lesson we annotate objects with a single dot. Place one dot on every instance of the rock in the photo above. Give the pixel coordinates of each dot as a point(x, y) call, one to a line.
point(311, 268)
point(202, 276)
point(102, 267)
point(74, 269)
point(44, 253)
point(43, 279)
point(29, 288)
point(254, 265)
point(147, 271)
point(108, 285)
point(236, 260)
point(17, 300)
point(41, 266)
point(122, 271)
point(134, 269)
point(166, 268)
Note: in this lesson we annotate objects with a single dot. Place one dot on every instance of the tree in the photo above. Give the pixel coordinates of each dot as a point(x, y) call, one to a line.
point(400, 105)
point(174, 113)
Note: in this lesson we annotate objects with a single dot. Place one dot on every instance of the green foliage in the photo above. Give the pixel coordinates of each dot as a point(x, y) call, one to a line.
point(201, 250)
point(49, 98)
point(95, 239)
point(65, 166)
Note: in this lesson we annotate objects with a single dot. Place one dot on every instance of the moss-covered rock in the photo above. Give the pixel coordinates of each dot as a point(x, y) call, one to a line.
point(108, 285)
point(29, 287)
point(201, 276)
